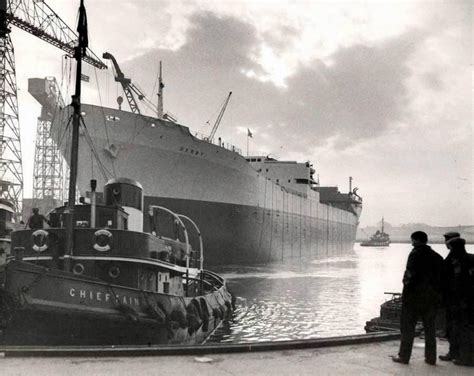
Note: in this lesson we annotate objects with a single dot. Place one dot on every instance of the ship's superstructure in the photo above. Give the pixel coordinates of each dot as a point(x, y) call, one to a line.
point(250, 209)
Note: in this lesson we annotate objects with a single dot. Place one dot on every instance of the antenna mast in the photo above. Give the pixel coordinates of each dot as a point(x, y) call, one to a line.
point(161, 85)
point(79, 52)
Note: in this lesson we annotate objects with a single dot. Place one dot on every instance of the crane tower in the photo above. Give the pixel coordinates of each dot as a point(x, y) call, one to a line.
point(11, 172)
point(37, 18)
point(49, 164)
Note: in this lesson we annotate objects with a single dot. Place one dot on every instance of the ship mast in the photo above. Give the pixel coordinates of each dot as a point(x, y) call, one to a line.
point(382, 225)
point(159, 108)
point(79, 52)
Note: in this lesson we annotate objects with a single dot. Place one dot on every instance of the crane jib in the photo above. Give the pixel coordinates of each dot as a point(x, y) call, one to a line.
point(37, 18)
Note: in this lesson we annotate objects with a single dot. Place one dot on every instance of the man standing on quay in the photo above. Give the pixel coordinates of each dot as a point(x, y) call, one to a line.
point(420, 298)
point(453, 345)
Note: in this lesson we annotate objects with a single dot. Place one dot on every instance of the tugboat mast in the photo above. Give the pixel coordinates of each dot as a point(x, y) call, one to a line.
point(79, 52)
point(161, 85)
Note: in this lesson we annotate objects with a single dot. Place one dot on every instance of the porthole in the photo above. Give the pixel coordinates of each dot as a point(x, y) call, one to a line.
point(114, 271)
point(78, 269)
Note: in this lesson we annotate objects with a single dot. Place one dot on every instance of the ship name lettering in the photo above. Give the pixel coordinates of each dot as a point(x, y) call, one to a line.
point(101, 296)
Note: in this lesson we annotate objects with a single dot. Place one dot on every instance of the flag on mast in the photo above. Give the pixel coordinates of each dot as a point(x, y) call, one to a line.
point(249, 136)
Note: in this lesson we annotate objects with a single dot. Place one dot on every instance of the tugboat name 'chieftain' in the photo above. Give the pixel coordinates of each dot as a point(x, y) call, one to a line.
point(95, 278)
point(251, 209)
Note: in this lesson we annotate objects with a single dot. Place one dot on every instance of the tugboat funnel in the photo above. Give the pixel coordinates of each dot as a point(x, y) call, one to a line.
point(128, 194)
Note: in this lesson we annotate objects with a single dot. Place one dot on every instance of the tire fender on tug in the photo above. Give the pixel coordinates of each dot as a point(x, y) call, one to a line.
point(194, 316)
point(205, 315)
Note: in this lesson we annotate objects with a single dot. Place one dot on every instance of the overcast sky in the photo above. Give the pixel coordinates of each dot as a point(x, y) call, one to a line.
point(380, 91)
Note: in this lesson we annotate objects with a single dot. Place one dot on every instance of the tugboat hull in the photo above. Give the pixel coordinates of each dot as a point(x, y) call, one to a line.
point(41, 306)
point(374, 244)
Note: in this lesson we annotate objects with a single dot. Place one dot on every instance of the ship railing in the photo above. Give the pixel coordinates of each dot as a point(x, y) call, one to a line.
point(262, 154)
point(201, 248)
point(179, 218)
point(218, 142)
point(151, 210)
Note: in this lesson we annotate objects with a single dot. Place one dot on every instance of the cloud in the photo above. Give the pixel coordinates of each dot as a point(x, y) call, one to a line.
point(361, 95)
point(363, 90)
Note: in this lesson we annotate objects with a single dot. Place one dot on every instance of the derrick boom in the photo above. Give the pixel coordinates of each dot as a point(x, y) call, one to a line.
point(128, 87)
point(219, 117)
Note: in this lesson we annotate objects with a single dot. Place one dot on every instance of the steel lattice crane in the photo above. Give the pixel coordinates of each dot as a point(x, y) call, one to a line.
point(130, 89)
point(49, 171)
point(37, 18)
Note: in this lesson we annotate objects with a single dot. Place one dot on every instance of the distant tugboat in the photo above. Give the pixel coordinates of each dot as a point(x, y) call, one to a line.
point(95, 278)
point(379, 239)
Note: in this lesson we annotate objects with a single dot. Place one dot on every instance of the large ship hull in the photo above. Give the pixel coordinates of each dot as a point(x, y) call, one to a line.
point(244, 215)
point(238, 234)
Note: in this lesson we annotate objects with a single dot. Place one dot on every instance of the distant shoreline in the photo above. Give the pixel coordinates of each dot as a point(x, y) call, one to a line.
point(408, 241)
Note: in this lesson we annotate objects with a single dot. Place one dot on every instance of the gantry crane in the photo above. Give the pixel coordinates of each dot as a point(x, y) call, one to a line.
point(219, 118)
point(49, 171)
point(37, 18)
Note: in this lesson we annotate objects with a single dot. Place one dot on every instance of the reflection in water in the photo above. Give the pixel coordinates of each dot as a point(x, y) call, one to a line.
point(311, 299)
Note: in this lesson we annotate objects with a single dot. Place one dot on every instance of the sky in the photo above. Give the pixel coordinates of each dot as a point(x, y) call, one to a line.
point(380, 91)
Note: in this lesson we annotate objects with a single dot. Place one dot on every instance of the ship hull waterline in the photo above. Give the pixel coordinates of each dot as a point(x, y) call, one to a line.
point(237, 234)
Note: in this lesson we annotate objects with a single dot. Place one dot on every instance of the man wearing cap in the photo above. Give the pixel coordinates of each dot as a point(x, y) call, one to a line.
point(36, 220)
point(459, 303)
point(447, 301)
point(420, 298)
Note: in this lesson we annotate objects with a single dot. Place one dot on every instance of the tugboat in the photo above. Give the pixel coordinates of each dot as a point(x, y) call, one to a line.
point(95, 278)
point(379, 239)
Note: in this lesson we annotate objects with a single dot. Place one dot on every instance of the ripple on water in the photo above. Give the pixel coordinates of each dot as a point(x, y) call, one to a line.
point(319, 298)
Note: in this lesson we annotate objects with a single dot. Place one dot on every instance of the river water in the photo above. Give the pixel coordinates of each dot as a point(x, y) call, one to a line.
point(311, 299)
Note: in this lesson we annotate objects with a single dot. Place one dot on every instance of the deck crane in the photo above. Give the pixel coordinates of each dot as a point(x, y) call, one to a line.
point(37, 18)
point(128, 86)
point(219, 118)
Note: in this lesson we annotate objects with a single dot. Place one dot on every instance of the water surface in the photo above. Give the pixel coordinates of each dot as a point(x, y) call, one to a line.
point(311, 299)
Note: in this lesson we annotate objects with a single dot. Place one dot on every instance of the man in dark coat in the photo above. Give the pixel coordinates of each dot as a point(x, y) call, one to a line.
point(420, 298)
point(35, 222)
point(459, 292)
point(447, 277)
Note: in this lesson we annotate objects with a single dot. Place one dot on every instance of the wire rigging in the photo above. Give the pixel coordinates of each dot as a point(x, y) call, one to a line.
point(103, 121)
